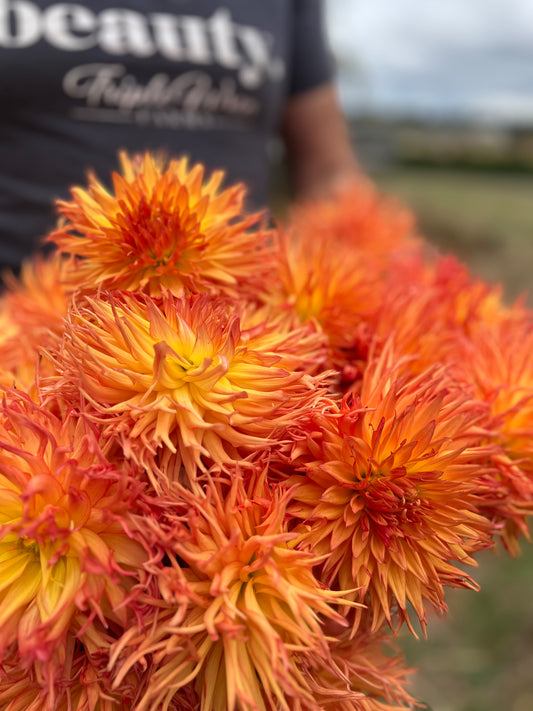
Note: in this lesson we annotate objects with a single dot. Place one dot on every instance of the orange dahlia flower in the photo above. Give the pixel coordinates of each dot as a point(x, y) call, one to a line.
point(497, 362)
point(336, 264)
point(363, 674)
point(82, 684)
point(180, 383)
point(66, 553)
point(242, 609)
point(163, 226)
point(330, 286)
point(389, 491)
point(428, 311)
point(32, 310)
point(360, 216)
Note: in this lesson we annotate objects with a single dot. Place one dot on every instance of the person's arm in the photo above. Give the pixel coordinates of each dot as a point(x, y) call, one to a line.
point(320, 156)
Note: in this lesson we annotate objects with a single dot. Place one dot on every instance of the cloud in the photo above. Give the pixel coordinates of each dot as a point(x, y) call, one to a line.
point(423, 55)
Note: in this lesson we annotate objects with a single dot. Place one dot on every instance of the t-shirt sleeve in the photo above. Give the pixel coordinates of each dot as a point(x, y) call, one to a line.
point(312, 61)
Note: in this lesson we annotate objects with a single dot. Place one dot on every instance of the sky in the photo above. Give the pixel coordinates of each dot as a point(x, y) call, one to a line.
point(435, 57)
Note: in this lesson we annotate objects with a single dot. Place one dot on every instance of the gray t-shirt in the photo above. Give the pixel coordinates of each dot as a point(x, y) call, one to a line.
point(79, 81)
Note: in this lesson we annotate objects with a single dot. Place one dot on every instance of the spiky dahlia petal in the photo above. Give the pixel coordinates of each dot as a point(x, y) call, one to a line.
point(163, 226)
point(65, 549)
point(497, 362)
point(82, 683)
point(366, 673)
point(333, 288)
point(180, 379)
point(32, 310)
point(242, 604)
point(389, 490)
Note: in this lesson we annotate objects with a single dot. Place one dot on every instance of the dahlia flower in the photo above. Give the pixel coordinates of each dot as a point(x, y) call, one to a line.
point(231, 460)
point(430, 309)
point(332, 288)
point(67, 555)
point(376, 225)
point(82, 684)
point(179, 383)
point(497, 362)
point(243, 611)
point(364, 674)
point(389, 490)
point(32, 310)
point(163, 226)
point(336, 266)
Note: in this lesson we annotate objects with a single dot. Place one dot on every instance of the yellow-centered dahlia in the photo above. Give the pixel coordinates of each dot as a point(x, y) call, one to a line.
point(336, 263)
point(65, 551)
point(330, 286)
point(179, 382)
point(389, 489)
point(242, 610)
point(163, 225)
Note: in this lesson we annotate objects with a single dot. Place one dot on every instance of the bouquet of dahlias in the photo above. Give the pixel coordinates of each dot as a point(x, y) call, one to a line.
point(235, 460)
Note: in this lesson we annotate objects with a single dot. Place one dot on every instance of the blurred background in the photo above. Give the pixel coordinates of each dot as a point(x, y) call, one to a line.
point(439, 98)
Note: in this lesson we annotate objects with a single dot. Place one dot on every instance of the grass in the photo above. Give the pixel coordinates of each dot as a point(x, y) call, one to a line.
point(486, 219)
point(479, 656)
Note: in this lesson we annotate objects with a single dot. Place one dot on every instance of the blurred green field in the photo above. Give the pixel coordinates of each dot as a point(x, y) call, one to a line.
point(479, 657)
point(484, 218)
